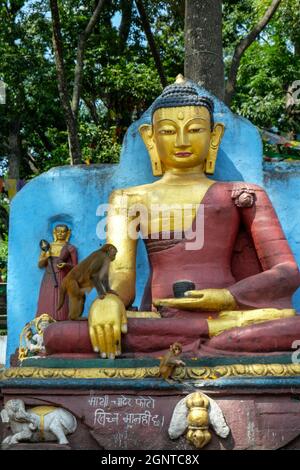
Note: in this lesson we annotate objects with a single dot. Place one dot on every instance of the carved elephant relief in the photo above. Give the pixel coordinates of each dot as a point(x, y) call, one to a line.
point(37, 424)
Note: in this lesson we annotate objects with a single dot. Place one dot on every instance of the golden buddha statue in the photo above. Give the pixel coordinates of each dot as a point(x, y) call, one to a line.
point(230, 290)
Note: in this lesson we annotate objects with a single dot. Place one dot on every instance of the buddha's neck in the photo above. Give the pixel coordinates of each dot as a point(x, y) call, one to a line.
point(184, 176)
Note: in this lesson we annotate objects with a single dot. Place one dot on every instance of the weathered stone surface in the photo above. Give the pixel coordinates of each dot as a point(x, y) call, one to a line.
point(132, 420)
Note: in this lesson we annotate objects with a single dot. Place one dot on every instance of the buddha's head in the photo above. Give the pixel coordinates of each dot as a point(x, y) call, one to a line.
point(183, 133)
point(61, 233)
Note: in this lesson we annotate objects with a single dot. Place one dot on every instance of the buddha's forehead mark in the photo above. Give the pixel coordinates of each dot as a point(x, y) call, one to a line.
point(180, 115)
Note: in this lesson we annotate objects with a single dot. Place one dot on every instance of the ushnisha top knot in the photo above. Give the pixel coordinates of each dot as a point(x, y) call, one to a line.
point(181, 93)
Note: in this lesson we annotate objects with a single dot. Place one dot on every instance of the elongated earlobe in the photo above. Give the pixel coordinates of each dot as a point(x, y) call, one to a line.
point(215, 141)
point(146, 131)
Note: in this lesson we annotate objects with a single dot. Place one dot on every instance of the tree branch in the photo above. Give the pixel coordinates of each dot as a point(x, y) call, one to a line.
point(90, 104)
point(80, 55)
point(74, 147)
point(151, 41)
point(31, 164)
point(126, 7)
point(241, 48)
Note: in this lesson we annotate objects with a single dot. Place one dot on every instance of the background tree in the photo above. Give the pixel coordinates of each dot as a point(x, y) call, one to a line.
point(120, 78)
point(118, 75)
point(203, 44)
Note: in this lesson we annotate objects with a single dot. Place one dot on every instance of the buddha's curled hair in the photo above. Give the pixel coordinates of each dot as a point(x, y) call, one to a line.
point(183, 94)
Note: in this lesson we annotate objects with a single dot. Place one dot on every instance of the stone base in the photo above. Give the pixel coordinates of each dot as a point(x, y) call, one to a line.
point(39, 446)
point(130, 409)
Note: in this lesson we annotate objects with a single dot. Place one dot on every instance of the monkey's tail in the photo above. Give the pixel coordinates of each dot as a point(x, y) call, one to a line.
point(62, 296)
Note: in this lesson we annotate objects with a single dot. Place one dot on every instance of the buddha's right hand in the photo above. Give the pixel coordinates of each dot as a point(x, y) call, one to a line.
point(43, 259)
point(107, 320)
point(212, 300)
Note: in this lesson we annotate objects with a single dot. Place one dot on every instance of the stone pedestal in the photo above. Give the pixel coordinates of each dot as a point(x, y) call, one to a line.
point(124, 405)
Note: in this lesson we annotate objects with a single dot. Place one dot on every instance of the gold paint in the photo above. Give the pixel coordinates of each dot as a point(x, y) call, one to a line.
point(198, 420)
point(42, 411)
point(239, 318)
point(37, 324)
point(61, 237)
point(107, 319)
point(132, 314)
point(180, 115)
point(184, 373)
point(183, 181)
point(217, 135)
point(205, 299)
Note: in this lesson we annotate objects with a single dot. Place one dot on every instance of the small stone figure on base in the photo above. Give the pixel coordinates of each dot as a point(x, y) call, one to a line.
point(32, 337)
point(58, 258)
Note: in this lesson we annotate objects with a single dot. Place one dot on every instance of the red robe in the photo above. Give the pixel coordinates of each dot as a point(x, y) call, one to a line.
point(49, 294)
point(244, 250)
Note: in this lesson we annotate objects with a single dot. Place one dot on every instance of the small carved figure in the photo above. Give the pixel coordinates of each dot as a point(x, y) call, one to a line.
point(32, 337)
point(193, 416)
point(89, 273)
point(57, 258)
point(41, 423)
point(170, 361)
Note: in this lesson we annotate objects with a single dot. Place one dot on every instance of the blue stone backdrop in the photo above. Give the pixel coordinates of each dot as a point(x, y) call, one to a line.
point(73, 194)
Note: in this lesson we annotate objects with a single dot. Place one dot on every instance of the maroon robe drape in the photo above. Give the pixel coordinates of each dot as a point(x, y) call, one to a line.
point(49, 294)
point(244, 250)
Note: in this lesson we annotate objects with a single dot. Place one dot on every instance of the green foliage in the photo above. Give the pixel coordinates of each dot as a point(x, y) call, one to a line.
point(120, 79)
point(3, 258)
point(99, 145)
point(269, 66)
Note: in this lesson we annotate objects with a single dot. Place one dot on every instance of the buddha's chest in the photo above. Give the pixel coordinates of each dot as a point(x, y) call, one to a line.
point(177, 209)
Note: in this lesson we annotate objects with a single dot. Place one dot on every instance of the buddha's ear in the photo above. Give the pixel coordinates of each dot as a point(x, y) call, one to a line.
point(146, 131)
point(216, 136)
point(69, 233)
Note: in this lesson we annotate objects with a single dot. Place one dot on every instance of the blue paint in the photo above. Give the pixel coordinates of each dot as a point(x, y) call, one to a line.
point(73, 194)
point(282, 183)
point(231, 383)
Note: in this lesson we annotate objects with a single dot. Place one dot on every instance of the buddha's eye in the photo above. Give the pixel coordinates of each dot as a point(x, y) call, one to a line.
point(196, 130)
point(167, 131)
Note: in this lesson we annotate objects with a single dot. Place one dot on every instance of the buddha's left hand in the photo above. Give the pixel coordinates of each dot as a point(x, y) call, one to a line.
point(204, 299)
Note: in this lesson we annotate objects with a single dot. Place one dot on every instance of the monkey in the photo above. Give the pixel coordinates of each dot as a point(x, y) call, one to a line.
point(89, 273)
point(170, 361)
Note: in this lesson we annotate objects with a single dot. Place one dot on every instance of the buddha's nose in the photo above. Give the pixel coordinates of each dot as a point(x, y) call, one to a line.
point(182, 139)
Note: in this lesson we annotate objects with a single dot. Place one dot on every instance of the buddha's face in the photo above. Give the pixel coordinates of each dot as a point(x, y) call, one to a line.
point(182, 136)
point(61, 233)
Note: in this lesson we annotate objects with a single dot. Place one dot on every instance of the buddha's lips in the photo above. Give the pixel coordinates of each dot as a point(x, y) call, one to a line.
point(183, 154)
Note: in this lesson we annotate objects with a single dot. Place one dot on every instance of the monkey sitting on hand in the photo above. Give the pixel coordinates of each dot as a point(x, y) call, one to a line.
point(89, 273)
point(170, 361)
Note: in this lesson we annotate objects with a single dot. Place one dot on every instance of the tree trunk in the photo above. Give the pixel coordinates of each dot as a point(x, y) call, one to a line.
point(14, 144)
point(126, 7)
point(83, 37)
point(151, 41)
point(203, 44)
point(74, 146)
